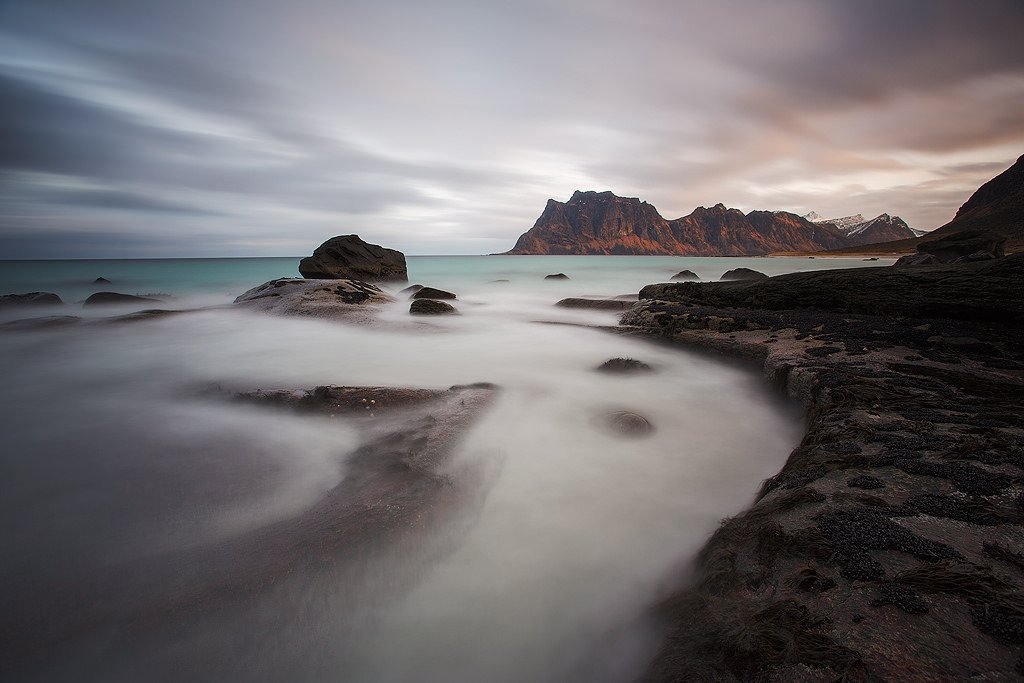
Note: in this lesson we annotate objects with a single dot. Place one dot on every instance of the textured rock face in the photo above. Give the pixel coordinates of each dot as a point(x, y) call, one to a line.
point(974, 245)
point(596, 304)
point(347, 257)
point(432, 293)
point(30, 299)
point(743, 274)
point(313, 298)
point(603, 223)
point(431, 307)
point(685, 275)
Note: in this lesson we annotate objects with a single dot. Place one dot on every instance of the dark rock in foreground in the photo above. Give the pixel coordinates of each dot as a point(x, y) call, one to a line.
point(624, 366)
point(743, 274)
point(596, 304)
point(960, 247)
point(411, 289)
point(431, 307)
point(432, 293)
point(30, 299)
point(107, 298)
point(347, 257)
point(895, 526)
point(685, 275)
point(556, 276)
point(313, 298)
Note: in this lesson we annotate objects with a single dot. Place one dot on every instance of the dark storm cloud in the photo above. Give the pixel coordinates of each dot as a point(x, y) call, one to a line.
point(443, 127)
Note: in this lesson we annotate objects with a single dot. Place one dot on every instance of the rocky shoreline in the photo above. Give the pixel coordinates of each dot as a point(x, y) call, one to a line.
point(891, 544)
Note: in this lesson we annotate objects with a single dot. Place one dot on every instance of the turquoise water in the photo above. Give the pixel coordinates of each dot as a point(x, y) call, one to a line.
point(212, 281)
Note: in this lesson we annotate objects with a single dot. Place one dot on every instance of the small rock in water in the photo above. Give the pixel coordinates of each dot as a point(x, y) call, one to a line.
point(432, 293)
point(30, 299)
point(628, 423)
point(116, 298)
point(101, 281)
point(624, 366)
point(411, 289)
point(596, 304)
point(431, 307)
point(556, 276)
point(743, 274)
point(685, 275)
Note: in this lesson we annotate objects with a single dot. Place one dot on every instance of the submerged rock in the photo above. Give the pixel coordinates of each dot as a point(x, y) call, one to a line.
point(347, 257)
point(41, 323)
point(29, 299)
point(431, 307)
point(432, 293)
point(106, 298)
point(743, 274)
point(556, 276)
point(626, 423)
point(685, 275)
point(624, 366)
point(313, 298)
point(101, 281)
point(596, 304)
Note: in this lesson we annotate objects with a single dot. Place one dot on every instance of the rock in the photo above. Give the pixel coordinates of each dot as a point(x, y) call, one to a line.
point(915, 260)
point(314, 298)
point(101, 281)
point(347, 257)
point(596, 304)
point(499, 282)
point(431, 307)
point(626, 423)
point(966, 243)
point(557, 276)
point(109, 298)
point(41, 323)
point(30, 299)
point(685, 275)
point(977, 256)
point(411, 289)
point(624, 366)
point(743, 274)
point(432, 293)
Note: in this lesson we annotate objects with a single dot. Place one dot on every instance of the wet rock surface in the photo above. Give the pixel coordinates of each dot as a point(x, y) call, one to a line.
point(556, 276)
point(742, 274)
point(685, 275)
point(108, 298)
point(431, 307)
point(432, 293)
point(347, 257)
point(596, 304)
point(30, 299)
point(314, 298)
point(896, 527)
point(624, 366)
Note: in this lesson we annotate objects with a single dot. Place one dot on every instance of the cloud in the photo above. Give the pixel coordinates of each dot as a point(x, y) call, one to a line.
point(255, 127)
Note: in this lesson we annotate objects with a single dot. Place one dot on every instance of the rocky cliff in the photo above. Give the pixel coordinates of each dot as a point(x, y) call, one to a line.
point(603, 223)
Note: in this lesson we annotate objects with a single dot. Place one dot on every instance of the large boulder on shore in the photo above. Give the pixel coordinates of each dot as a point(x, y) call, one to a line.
point(30, 299)
point(313, 298)
point(347, 257)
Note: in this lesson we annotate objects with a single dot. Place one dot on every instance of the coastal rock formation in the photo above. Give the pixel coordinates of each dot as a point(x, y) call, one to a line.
point(431, 307)
point(313, 298)
point(685, 275)
point(743, 274)
point(556, 276)
point(596, 304)
point(432, 293)
point(411, 289)
point(627, 423)
point(30, 299)
point(347, 257)
point(101, 281)
point(895, 527)
point(603, 223)
point(108, 298)
point(972, 245)
point(624, 366)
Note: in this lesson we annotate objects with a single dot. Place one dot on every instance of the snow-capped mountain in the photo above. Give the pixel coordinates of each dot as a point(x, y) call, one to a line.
point(859, 230)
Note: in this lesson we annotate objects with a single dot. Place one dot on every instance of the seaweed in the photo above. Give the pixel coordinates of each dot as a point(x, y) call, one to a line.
point(1003, 554)
point(965, 477)
point(901, 596)
point(865, 481)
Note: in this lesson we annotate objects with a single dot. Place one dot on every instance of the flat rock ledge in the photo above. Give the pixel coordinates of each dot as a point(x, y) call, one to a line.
point(315, 298)
point(891, 544)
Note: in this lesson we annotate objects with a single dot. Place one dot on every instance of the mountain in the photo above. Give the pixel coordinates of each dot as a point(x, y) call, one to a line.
point(858, 230)
point(998, 205)
point(603, 223)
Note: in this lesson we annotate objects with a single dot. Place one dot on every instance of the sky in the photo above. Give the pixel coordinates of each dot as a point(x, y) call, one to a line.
point(139, 128)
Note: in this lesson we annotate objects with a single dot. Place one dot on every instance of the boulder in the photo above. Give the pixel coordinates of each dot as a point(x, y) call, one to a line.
point(347, 257)
point(313, 298)
point(965, 243)
point(430, 307)
point(107, 298)
point(557, 276)
point(101, 281)
point(30, 299)
point(624, 366)
point(685, 275)
point(432, 293)
point(411, 289)
point(596, 304)
point(918, 259)
point(977, 256)
point(743, 274)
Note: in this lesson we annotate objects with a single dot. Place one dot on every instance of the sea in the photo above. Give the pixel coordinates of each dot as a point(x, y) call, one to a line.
point(122, 463)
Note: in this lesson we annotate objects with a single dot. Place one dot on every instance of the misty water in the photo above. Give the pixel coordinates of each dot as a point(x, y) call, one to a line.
point(125, 476)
